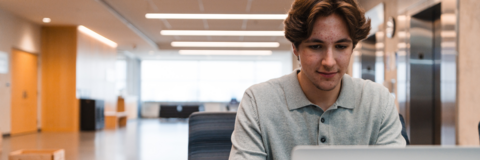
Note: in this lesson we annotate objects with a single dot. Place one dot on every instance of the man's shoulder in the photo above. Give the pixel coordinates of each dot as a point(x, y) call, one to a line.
point(370, 92)
point(368, 86)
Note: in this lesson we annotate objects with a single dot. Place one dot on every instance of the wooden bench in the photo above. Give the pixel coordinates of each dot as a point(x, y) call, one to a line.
point(57, 154)
point(116, 119)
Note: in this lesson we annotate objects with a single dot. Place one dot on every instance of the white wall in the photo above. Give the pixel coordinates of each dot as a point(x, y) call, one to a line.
point(96, 70)
point(15, 32)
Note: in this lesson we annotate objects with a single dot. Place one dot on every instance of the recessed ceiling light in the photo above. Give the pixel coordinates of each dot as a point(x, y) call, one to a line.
point(215, 16)
point(97, 36)
point(227, 44)
point(219, 33)
point(225, 52)
point(46, 20)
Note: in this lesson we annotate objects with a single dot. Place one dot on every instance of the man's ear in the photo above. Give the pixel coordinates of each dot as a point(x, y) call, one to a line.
point(295, 51)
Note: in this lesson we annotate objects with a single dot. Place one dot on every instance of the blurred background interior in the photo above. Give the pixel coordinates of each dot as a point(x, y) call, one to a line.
point(118, 79)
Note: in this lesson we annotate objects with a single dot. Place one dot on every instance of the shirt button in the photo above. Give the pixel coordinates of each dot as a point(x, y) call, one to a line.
point(322, 120)
point(323, 140)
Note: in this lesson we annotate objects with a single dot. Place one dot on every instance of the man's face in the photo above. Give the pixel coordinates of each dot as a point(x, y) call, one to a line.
point(325, 55)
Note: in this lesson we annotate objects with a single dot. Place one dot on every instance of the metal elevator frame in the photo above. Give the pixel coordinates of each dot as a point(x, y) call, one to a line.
point(439, 66)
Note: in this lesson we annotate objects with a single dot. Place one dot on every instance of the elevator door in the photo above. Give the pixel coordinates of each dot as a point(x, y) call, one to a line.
point(368, 58)
point(424, 76)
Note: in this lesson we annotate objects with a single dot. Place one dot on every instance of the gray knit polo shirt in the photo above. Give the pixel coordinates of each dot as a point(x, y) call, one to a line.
point(275, 116)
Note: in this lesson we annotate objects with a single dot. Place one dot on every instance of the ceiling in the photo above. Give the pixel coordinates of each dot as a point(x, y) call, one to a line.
point(97, 17)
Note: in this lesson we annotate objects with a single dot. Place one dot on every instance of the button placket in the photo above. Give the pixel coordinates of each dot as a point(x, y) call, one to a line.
point(323, 129)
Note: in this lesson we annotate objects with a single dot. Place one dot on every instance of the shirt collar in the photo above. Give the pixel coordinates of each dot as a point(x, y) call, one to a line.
point(296, 98)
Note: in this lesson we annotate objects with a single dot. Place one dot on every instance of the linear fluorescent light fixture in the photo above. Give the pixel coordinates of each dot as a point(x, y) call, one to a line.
point(215, 16)
point(219, 33)
point(97, 36)
point(226, 52)
point(227, 44)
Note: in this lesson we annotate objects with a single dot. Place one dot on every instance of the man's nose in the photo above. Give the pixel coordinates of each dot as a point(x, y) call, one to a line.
point(328, 61)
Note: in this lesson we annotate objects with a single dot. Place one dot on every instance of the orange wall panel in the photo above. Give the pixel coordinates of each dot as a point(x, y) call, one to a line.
point(60, 110)
point(74, 65)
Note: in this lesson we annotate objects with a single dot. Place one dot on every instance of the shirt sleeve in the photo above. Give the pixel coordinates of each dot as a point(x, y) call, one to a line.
point(247, 143)
point(391, 128)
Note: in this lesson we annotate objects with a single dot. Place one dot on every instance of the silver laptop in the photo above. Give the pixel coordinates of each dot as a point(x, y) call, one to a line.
point(381, 153)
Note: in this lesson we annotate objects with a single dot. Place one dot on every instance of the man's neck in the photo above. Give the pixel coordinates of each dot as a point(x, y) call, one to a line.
point(321, 98)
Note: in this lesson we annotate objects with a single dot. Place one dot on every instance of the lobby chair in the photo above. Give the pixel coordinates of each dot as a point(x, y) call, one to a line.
point(210, 135)
point(172, 111)
point(168, 111)
point(404, 130)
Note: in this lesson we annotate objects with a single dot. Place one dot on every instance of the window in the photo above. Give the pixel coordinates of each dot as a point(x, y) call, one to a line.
point(204, 80)
point(121, 76)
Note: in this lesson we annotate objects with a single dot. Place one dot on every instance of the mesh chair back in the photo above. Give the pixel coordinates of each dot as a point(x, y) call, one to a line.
point(404, 130)
point(210, 135)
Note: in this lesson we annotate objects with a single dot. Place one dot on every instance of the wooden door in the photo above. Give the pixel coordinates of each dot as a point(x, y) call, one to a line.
point(24, 92)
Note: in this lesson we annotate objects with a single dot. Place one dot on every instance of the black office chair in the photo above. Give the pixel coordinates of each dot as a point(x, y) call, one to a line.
point(210, 135)
point(404, 130)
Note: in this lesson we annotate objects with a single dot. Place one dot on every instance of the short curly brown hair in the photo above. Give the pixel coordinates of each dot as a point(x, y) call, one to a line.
point(302, 16)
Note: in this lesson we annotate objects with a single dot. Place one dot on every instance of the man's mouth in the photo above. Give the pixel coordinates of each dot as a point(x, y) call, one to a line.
point(327, 74)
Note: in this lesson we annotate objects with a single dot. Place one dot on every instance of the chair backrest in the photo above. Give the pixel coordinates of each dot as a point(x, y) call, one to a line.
point(404, 130)
point(210, 135)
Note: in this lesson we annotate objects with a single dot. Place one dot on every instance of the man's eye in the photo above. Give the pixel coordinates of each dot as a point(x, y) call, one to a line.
point(315, 46)
point(340, 46)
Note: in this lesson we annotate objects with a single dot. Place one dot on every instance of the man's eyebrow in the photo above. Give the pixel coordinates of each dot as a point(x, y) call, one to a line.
point(314, 40)
point(320, 41)
point(344, 40)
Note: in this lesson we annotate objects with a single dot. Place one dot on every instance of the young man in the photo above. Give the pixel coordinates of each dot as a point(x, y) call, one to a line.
point(318, 104)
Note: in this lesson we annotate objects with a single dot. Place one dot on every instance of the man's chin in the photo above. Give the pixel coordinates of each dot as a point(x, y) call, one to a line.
point(326, 87)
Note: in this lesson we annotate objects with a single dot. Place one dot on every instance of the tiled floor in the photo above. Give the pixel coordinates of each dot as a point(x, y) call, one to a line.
point(143, 139)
